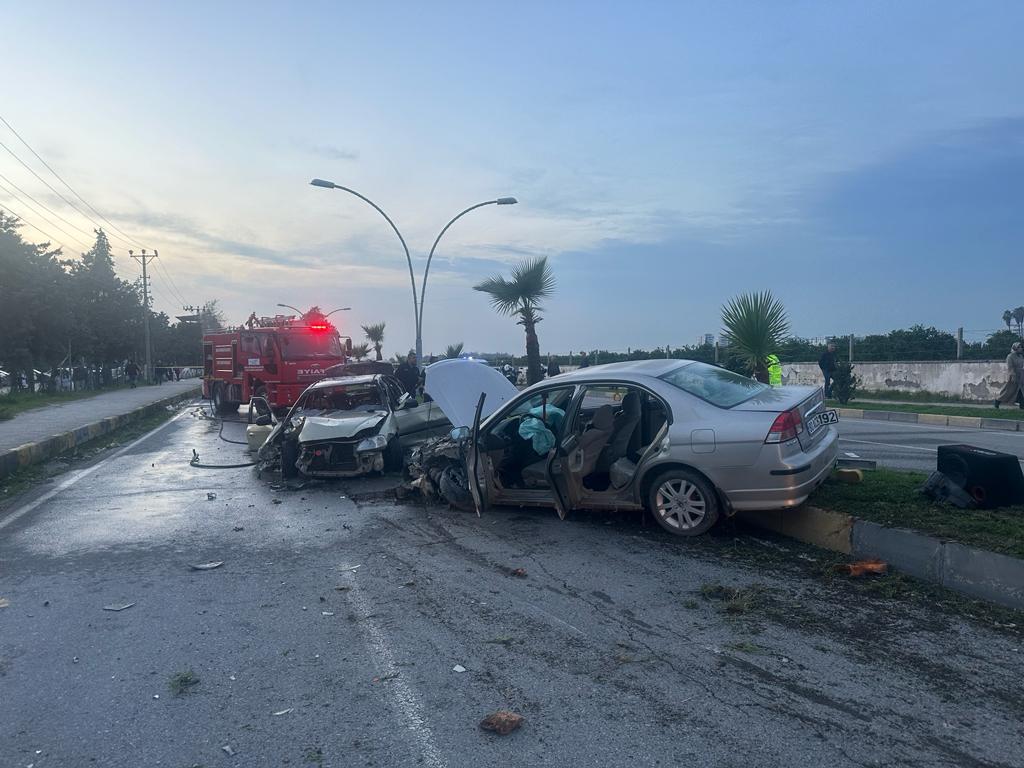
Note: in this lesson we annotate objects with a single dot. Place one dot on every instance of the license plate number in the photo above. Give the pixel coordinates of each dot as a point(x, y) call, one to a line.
point(821, 419)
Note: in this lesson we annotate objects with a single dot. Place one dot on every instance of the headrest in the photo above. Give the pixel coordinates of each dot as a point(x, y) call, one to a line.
point(631, 404)
point(604, 418)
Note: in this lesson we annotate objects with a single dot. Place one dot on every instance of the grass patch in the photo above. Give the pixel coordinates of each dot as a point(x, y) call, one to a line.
point(892, 498)
point(916, 396)
point(734, 600)
point(745, 646)
point(182, 682)
point(17, 402)
point(1011, 412)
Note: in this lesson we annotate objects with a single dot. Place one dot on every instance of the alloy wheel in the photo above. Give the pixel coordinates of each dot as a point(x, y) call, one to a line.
point(680, 504)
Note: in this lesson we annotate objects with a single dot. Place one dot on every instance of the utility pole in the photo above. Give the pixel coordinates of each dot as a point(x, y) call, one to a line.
point(145, 259)
point(959, 343)
point(851, 347)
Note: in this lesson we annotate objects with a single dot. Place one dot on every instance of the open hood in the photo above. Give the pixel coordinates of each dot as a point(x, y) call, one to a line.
point(339, 425)
point(456, 385)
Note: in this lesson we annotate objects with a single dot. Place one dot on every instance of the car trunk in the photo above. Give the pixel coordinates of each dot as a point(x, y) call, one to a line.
point(807, 400)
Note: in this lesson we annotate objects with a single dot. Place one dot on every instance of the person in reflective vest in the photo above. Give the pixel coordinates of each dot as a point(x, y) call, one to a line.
point(774, 370)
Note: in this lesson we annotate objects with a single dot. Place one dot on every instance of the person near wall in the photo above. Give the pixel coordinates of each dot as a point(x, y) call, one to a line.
point(1013, 389)
point(408, 373)
point(774, 370)
point(827, 364)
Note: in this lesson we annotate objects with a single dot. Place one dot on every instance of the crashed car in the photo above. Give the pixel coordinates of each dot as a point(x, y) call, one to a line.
point(349, 426)
point(685, 440)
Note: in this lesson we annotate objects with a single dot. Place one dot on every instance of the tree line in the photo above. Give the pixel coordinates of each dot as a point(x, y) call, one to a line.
point(58, 312)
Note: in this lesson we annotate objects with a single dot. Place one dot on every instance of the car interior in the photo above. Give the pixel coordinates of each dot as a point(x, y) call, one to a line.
point(360, 397)
point(615, 425)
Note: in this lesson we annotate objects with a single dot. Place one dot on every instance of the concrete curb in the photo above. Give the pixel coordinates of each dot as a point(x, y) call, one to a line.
point(974, 572)
point(974, 422)
point(25, 455)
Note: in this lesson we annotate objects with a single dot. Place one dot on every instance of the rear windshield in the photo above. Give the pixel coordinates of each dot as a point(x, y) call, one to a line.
point(716, 385)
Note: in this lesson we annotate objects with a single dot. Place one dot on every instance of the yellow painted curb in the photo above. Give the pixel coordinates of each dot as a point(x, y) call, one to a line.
point(811, 525)
point(933, 418)
point(964, 421)
point(851, 413)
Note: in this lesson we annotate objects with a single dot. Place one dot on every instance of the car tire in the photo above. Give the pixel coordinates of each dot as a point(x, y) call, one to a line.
point(394, 456)
point(455, 488)
point(289, 455)
point(683, 502)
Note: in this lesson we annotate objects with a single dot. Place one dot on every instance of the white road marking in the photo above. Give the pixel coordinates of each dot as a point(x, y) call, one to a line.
point(851, 454)
point(405, 702)
point(82, 473)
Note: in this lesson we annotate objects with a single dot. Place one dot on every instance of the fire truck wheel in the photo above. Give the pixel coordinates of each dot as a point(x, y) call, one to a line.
point(220, 403)
point(394, 457)
point(289, 455)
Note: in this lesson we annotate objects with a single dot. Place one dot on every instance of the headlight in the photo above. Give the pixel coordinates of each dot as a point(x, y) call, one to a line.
point(375, 443)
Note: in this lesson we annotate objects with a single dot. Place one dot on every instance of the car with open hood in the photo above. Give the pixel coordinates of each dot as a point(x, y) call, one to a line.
point(685, 440)
point(349, 426)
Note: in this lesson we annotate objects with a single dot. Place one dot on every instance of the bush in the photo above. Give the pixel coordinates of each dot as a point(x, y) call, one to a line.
point(844, 383)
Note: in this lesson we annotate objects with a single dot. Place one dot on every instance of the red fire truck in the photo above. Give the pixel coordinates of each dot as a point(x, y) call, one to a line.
point(272, 357)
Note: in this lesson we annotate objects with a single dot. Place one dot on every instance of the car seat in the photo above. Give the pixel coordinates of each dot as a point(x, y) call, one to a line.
point(624, 432)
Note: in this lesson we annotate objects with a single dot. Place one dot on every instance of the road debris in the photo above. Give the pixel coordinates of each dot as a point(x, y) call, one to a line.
point(238, 528)
point(326, 613)
point(851, 476)
point(519, 573)
point(502, 722)
point(206, 566)
point(345, 568)
point(228, 750)
point(4, 602)
point(458, 668)
point(210, 495)
point(118, 606)
point(284, 711)
point(863, 568)
point(342, 589)
point(275, 501)
point(382, 678)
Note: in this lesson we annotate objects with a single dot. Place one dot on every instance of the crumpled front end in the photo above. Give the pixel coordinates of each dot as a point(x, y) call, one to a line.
point(339, 459)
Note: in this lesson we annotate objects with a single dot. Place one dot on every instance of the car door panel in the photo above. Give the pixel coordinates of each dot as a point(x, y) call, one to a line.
point(475, 467)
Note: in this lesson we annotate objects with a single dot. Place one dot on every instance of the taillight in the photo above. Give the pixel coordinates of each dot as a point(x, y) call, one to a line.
point(787, 426)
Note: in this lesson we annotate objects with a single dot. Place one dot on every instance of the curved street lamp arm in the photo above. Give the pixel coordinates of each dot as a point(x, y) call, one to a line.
point(426, 270)
point(408, 258)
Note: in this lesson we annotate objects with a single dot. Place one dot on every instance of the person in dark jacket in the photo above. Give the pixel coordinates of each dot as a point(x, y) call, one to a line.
point(409, 374)
point(132, 372)
point(827, 363)
point(553, 367)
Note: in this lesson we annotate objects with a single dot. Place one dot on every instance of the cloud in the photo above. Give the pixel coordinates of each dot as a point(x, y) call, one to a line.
point(326, 151)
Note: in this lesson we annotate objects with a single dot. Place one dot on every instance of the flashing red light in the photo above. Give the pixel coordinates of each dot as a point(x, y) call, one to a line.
point(318, 327)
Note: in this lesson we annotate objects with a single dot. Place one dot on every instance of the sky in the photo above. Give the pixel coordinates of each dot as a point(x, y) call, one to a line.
point(863, 161)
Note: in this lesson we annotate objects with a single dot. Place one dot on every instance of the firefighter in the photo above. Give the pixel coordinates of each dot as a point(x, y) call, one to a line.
point(774, 370)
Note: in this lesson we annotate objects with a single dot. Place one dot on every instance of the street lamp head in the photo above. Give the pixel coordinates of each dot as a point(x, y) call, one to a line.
point(323, 183)
point(506, 201)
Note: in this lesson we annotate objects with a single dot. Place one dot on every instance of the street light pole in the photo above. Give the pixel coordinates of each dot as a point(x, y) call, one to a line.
point(426, 270)
point(408, 258)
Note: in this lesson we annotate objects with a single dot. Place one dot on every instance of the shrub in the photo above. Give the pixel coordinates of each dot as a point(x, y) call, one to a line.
point(844, 383)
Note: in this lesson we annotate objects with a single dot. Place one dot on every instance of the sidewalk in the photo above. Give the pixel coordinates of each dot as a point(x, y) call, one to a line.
point(939, 404)
point(40, 423)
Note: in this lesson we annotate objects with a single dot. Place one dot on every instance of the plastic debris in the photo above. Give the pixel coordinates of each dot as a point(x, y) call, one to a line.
point(501, 722)
point(349, 567)
point(227, 748)
point(283, 712)
point(851, 476)
point(4, 602)
point(156, 695)
point(458, 668)
point(238, 528)
point(863, 568)
point(210, 495)
point(326, 613)
point(519, 573)
point(206, 566)
point(118, 606)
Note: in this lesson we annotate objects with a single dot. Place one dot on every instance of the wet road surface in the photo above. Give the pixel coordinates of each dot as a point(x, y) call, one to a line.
point(329, 636)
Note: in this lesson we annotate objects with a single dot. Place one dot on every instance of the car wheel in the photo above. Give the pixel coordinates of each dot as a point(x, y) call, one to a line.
point(394, 457)
point(683, 502)
point(455, 488)
point(289, 455)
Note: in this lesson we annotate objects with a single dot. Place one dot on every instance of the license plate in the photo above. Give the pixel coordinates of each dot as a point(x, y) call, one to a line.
point(821, 419)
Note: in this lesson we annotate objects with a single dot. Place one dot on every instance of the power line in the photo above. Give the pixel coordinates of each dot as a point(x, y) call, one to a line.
point(45, 207)
point(128, 237)
point(49, 237)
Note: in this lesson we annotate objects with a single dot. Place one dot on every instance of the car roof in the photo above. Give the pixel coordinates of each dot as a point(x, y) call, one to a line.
point(631, 369)
point(366, 378)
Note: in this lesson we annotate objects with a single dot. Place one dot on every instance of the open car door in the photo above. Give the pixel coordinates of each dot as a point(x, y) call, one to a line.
point(564, 466)
point(475, 471)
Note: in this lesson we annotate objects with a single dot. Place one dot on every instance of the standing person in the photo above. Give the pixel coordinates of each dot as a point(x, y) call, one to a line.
point(409, 374)
point(827, 363)
point(553, 368)
point(774, 370)
point(132, 372)
point(1013, 389)
point(584, 360)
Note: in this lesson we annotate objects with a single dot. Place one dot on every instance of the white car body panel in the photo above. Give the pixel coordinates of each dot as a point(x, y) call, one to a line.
point(456, 385)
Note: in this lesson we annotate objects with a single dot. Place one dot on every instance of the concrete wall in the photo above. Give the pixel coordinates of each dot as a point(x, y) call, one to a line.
point(969, 379)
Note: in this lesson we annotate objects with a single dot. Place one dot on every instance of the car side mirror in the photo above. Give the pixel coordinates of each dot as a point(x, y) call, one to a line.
point(459, 434)
point(264, 421)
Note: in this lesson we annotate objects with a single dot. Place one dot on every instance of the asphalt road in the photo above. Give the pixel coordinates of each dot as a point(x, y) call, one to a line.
point(914, 446)
point(329, 635)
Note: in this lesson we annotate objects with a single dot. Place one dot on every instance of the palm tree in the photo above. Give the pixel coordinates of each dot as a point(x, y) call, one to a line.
point(520, 297)
point(1018, 316)
point(754, 326)
point(359, 351)
point(453, 351)
point(375, 335)
point(1008, 318)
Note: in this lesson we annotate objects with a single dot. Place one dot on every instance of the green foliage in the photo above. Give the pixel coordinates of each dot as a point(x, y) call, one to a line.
point(844, 383)
point(375, 335)
point(531, 282)
point(755, 325)
point(453, 350)
point(360, 351)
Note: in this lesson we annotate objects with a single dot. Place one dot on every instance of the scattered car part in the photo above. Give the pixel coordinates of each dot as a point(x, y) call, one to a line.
point(502, 722)
point(207, 566)
point(863, 568)
point(118, 607)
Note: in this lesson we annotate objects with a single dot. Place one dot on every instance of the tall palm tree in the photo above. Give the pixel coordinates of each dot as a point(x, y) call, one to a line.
point(1008, 318)
point(360, 351)
point(1018, 316)
point(532, 281)
point(375, 335)
point(453, 351)
point(755, 325)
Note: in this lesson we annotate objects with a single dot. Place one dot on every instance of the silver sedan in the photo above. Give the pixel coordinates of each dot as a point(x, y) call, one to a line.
point(686, 440)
